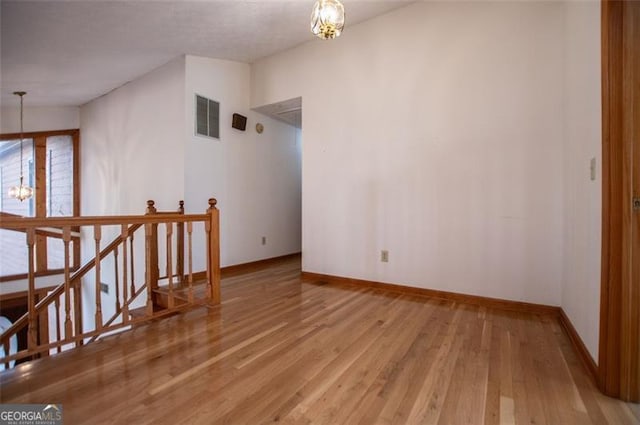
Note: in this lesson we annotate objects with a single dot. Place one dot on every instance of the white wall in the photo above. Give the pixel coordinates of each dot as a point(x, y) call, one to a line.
point(583, 197)
point(39, 118)
point(435, 132)
point(133, 145)
point(254, 177)
point(132, 149)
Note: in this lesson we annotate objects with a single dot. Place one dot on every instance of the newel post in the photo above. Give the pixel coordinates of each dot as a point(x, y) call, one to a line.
point(213, 251)
point(180, 245)
point(153, 272)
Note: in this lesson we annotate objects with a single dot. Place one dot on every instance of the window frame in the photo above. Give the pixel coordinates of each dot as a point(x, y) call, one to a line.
point(40, 201)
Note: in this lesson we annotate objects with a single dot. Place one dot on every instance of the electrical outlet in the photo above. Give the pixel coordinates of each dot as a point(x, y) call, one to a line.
point(104, 288)
point(384, 256)
point(264, 240)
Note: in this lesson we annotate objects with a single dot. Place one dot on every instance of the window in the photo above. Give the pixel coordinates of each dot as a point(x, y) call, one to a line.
point(50, 166)
point(10, 175)
point(207, 117)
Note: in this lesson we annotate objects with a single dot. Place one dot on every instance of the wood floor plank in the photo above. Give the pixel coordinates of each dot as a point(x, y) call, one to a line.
point(282, 350)
point(397, 391)
point(340, 400)
point(201, 366)
point(492, 401)
point(428, 405)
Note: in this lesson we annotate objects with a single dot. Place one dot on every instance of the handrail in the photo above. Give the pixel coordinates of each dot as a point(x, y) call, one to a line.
point(69, 309)
point(4, 215)
point(15, 223)
point(49, 230)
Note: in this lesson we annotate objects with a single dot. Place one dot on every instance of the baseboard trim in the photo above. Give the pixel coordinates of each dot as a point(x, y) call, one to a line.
point(245, 267)
point(255, 265)
point(578, 346)
point(433, 293)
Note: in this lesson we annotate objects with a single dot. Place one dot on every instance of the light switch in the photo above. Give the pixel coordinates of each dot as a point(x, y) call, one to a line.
point(593, 168)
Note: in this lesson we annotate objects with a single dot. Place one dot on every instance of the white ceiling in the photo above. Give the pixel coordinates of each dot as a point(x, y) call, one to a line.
point(67, 53)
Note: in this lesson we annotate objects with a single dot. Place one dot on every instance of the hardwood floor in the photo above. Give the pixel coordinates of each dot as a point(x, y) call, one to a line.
point(286, 351)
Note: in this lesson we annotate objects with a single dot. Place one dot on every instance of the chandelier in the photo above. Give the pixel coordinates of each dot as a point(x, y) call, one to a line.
point(327, 19)
point(21, 192)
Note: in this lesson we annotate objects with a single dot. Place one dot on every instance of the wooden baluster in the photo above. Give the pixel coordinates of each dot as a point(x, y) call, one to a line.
point(117, 280)
point(133, 286)
point(190, 255)
point(77, 312)
point(32, 337)
point(125, 296)
point(7, 348)
point(68, 330)
point(58, 330)
point(148, 236)
point(77, 308)
point(180, 246)
point(43, 320)
point(97, 236)
point(213, 251)
point(169, 227)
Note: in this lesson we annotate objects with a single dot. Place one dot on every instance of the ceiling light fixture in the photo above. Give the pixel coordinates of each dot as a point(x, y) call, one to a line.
point(21, 192)
point(327, 19)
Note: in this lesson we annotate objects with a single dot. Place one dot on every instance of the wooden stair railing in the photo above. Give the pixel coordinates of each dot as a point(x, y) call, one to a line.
point(154, 261)
point(55, 294)
point(66, 299)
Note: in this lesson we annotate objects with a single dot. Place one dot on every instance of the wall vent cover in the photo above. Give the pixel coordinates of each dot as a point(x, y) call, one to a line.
point(207, 117)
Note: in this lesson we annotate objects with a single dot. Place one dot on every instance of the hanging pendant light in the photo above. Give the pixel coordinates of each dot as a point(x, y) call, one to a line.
point(327, 19)
point(21, 192)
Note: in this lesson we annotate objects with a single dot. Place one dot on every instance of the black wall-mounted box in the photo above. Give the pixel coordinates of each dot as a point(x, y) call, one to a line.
point(239, 122)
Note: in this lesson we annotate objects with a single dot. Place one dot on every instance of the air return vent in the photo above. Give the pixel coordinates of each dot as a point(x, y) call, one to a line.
point(207, 117)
